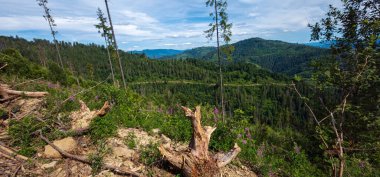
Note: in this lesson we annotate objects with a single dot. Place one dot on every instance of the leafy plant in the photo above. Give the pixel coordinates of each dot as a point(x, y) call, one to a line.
point(130, 140)
point(150, 154)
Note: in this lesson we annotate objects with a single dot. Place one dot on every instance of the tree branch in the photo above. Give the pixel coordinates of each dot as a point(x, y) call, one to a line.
point(85, 160)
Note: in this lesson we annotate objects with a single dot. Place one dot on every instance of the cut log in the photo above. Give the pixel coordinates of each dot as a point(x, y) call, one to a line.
point(81, 119)
point(197, 161)
point(7, 94)
point(11, 153)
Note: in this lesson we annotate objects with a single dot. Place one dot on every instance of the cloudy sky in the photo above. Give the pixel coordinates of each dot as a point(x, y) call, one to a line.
point(156, 24)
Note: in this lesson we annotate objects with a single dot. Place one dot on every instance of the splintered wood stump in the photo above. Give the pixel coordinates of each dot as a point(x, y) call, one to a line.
point(198, 162)
point(81, 119)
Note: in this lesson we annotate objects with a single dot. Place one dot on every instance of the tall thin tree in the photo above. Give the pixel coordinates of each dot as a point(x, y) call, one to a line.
point(221, 23)
point(104, 30)
point(49, 18)
point(115, 45)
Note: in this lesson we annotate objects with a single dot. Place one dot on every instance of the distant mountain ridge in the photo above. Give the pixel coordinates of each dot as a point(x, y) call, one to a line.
point(324, 45)
point(158, 53)
point(277, 56)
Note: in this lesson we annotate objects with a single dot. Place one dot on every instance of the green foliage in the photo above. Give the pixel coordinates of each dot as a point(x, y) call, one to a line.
point(359, 167)
point(96, 159)
point(19, 65)
point(21, 133)
point(102, 128)
point(352, 74)
point(150, 154)
point(276, 56)
point(57, 74)
point(130, 140)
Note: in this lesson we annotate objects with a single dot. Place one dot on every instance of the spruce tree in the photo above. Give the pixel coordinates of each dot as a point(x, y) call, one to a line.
point(104, 30)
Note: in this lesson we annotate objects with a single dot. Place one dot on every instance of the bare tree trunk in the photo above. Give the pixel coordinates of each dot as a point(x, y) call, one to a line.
point(220, 62)
point(56, 44)
point(59, 54)
point(197, 161)
point(115, 43)
point(7, 94)
point(110, 61)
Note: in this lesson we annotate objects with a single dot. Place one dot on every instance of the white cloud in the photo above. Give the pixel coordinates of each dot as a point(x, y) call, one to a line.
point(170, 44)
point(131, 30)
point(158, 23)
point(138, 17)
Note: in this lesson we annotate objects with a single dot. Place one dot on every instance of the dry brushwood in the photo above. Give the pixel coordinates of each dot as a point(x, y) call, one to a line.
point(114, 169)
point(198, 161)
point(81, 119)
point(10, 153)
point(7, 94)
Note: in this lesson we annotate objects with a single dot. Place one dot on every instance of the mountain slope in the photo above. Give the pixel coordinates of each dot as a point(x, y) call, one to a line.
point(91, 62)
point(276, 56)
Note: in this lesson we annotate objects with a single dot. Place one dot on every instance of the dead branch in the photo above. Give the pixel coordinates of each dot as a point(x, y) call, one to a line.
point(197, 161)
point(87, 161)
point(29, 81)
point(16, 171)
point(9, 152)
point(2, 67)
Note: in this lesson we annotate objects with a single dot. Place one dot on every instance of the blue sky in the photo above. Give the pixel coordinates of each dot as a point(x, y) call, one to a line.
point(157, 24)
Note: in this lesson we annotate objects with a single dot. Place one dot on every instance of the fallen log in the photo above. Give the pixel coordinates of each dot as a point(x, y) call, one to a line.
point(197, 161)
point(114, 169)
point(7, 94)
point(6, 151)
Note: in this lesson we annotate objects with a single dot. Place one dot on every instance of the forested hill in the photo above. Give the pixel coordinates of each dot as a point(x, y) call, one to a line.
point(91, 62)
point(277, 56)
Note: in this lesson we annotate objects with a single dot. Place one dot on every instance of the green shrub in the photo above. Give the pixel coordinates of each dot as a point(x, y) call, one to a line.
point(150, 154)
point(96, 158)
point(21, 133)
point(130, 140)
point(20, 66)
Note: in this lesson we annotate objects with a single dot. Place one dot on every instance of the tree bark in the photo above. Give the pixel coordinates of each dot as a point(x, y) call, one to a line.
point(197, 161)
point(7, 94)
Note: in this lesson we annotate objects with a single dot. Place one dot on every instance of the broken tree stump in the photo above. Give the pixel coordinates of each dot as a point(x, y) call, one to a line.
point(198, 162)
point(81, 119)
